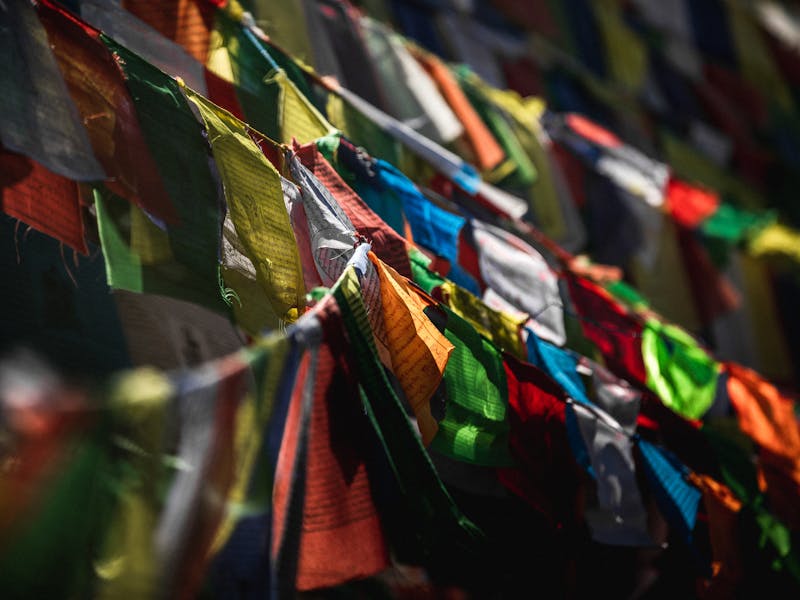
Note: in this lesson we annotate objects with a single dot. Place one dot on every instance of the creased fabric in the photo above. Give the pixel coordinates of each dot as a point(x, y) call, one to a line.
point(678, 369)
point(547, 476)
point(109, 113)
point(48, 202)
point(616, 333)
point(178, 259)
point(40, 119)
point(482, 144)
point(425, 505)
point(411, 95)
point(419, 351)
point(387, 244)
point(148, 43)
point(519, 274)
point(255, 199)
point(619, 515)
point(322, 502)
point(677, 498)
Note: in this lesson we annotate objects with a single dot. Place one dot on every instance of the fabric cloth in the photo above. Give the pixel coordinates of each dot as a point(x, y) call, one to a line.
point(732, 224)
point(241, 546)
point(168, 334)
point(714, 294)
point(651, 220)
point(138, 36)
point(107, 109)
point(363, 131)
point(519, 274)
point(615, 333)
point(775, 240)
point(677, 499)
point(615, 396)
point(332, 236)
point(223, 93)
point(285, 23)
point(63, 455)
point(322, 494)
point(40, 119)
point(48, 202)
point(619, 515)
point(734, 338)
point(301, 121)
point(483, 146)
point(144, 396)
point(772, 358)
point(629, 168)
point(667, 282)
point(547, 477)
point(472, 42)
point(352, 164)
point(475, 426)
point(411, 95)
point(616, 516)
point(741, 476)
point(185, 22)
point(559, 364)
point(723, 509)
point(437, 157)
point(339, 48)
point(272, 91)
point(432, 227)
point(139, 248)
point(768, 418)
point(615, 233)
point(681, 372)
point(503, 329)
point(548, 211)
point(243, 289)
point(251, 78)
point(422, 503)
point(690, 205)
point(300, 226)
point(388, 245)
point(626, 54)
point(255, 200)
point(419, 351)
point(517, 171)
point(333, 243)
point(207, 402)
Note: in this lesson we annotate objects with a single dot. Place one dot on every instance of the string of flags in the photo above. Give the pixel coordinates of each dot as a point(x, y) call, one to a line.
point(316, 297)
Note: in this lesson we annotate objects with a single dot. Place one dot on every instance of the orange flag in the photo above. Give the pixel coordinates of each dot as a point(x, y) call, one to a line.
point(419, 351)
point(768, 417)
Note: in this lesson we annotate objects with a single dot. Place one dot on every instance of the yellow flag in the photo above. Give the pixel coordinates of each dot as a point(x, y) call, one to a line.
point(148, 242)
point(626, 52)
point(499, 327)
point(299, 119)
point(776, 240)
point(219, 56)
point(285, 22)
point(756, 63)
point(774, 361)
point(255, 201)
point(127, 567)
